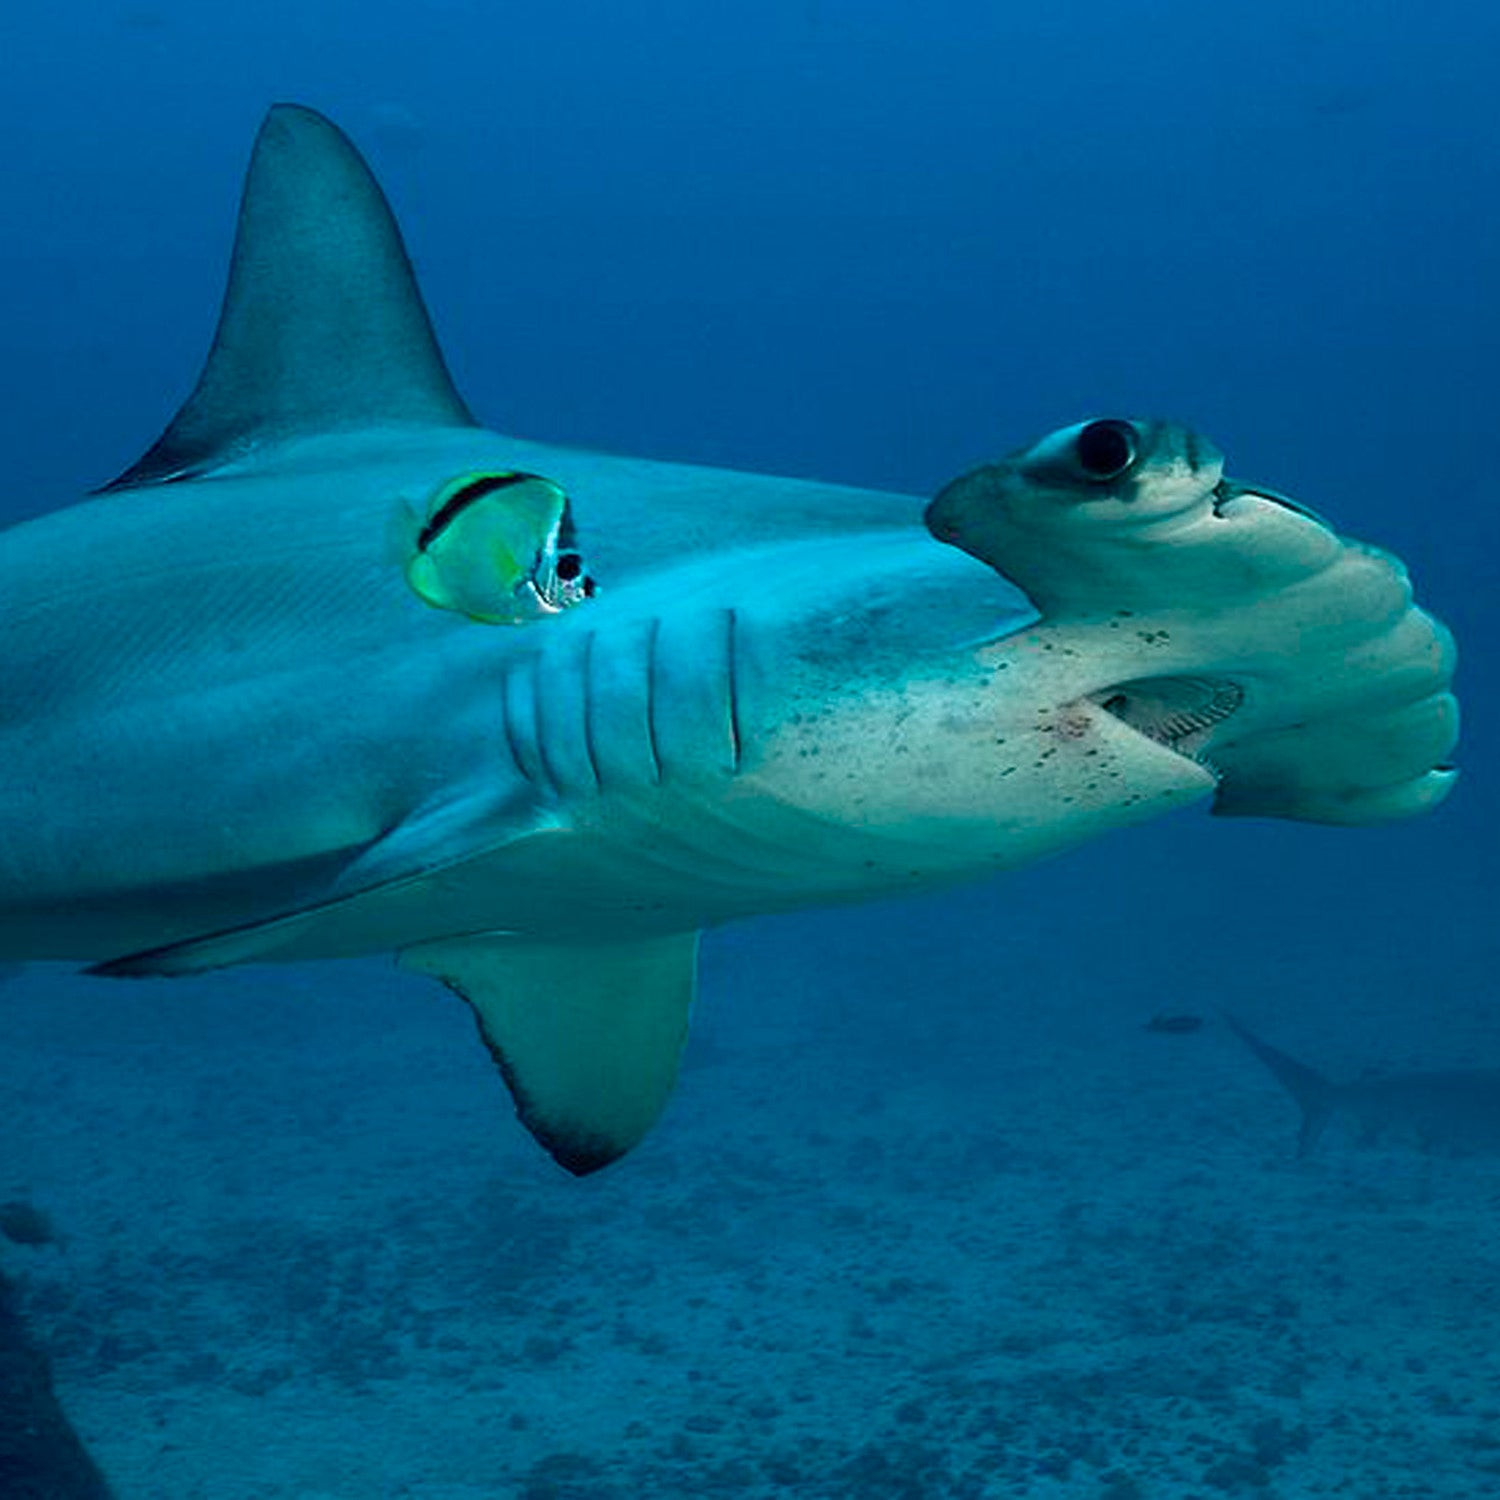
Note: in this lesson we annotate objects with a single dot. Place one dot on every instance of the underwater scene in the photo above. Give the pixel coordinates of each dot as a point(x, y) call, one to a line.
point(732, 751)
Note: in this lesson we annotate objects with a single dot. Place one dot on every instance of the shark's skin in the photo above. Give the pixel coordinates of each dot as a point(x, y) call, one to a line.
point(1454, 1111)
point(235, 731)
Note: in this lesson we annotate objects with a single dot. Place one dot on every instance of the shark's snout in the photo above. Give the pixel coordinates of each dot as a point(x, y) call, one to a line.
point(1225, 621)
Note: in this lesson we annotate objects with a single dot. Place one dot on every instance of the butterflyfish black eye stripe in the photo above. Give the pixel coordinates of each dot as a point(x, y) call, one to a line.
point(462, 498)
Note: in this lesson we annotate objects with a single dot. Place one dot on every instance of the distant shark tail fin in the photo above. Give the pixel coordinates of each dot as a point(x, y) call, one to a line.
point(1314, 1094)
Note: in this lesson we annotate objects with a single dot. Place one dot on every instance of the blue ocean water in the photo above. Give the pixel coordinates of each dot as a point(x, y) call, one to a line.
point(932, 1214)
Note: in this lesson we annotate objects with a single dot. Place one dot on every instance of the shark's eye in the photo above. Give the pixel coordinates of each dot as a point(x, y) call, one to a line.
point(1105, 450)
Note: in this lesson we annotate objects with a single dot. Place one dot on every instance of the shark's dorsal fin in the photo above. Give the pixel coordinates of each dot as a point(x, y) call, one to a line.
point(323, 326)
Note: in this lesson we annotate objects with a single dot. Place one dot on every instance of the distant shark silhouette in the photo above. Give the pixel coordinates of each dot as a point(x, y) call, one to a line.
point(1457, 1110)
point(325, 673)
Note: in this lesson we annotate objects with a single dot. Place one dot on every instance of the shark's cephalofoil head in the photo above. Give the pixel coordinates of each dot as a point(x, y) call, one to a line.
point(1226, 622)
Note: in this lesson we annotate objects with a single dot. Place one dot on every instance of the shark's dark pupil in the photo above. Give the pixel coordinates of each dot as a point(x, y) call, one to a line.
point(1106, 449)
point(569, 566)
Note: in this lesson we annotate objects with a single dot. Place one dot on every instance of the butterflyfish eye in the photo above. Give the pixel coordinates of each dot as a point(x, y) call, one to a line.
point(1106, 449)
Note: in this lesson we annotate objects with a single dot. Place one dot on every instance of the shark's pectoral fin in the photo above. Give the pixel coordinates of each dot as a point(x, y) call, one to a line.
point(587, 1035)
point(446, 834)
point(202, 955)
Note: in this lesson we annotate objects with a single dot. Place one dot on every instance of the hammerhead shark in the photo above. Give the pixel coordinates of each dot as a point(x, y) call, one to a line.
point(1457, 1110)
point(334, 670)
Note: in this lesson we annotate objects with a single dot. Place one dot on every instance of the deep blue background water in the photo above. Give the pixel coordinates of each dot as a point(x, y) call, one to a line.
point(868, 244)
point(857, 243)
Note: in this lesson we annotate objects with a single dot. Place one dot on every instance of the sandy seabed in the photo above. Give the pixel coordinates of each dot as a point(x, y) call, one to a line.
point(308, 1255)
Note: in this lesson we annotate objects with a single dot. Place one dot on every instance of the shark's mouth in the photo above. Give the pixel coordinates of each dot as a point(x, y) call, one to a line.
point(1180, 713)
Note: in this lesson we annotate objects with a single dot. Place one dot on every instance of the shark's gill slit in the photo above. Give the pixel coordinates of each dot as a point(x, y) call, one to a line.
point(731, 674)
point(539, 713)
point(1178, 712)
point(523, 731)
point(588, 709)
point(508, 728)
point(653, 635)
